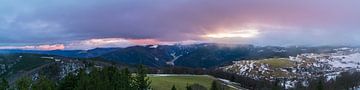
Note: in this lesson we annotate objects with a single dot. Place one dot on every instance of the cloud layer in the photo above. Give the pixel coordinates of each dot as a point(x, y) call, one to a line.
point(131, 22)
point(37, 47)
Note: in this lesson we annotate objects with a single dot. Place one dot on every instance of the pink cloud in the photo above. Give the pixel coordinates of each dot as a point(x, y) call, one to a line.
point(120, 42)
point(51, 47)
point(144, 41)
point(36, 47)
point(99, 42)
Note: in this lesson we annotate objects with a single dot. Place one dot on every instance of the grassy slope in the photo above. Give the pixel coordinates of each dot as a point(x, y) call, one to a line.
point(275, 65)
point(166, 82)
point(278, 62)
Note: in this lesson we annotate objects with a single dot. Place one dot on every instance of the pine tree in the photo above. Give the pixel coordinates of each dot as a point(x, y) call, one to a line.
point(108, 78)
point(23, 83)
point(188, 87)
point(320, 85)
point(276, 85)
point(232, 78)
point(100, 79)
point(4, 84)
point(126, 82)
point(173, 87)
point(299, 85)
point(68, 83)
point(44, 83)
point(83, 81)
point(113, 77)
point(214, 86)
point(141, 80)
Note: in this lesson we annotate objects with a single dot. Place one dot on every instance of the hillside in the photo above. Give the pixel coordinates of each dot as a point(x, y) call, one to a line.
point(301, 68)
point(18, 63)
point(65, 53)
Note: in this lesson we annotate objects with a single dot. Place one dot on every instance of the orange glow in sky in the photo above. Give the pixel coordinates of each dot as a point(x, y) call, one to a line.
point(247, 33)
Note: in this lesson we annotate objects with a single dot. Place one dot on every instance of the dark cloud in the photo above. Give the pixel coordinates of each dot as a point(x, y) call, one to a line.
point(61, 21)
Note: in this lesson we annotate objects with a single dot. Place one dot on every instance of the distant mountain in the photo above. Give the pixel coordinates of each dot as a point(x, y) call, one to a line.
point(66, 53)
point(149, 55)
point(204, 55)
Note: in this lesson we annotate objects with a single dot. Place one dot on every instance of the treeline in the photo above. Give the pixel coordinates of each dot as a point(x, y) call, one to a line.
point(112, 78)
point(215, 85)
point(345, 81)
point(107, 78)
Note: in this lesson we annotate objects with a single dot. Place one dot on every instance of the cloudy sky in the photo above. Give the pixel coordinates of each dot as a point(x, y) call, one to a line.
point(86, 24)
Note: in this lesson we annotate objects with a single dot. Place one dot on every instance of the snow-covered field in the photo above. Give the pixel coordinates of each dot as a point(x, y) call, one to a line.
point(300, 67)
point(344, 61)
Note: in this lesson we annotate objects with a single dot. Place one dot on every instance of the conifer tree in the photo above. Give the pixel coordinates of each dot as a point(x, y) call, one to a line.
point(68, 83)
point(4, 84)
point(173, 87)
point(188, 87)
point(141, 80)
point(44, 83)
point(214, 86)
point(23, 83)
point(83, 82)
point(126, 82)
point(320, 85)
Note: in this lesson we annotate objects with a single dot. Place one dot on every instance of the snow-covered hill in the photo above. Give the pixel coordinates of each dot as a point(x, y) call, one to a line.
point(299, 68)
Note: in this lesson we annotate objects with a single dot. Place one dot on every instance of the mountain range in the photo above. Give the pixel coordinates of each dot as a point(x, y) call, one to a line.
point(206, 55)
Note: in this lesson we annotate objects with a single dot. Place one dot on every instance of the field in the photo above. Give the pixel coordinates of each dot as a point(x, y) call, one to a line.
point(166, 82)
point(273, 67)
point(278, 62)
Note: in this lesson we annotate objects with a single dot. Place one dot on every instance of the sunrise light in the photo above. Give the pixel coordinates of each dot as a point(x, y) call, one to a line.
point(247, 33)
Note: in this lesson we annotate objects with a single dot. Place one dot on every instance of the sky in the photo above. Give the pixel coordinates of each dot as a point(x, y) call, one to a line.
point(87, 24)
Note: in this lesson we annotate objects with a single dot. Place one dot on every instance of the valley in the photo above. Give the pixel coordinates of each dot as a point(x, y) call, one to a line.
point(237, 67)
